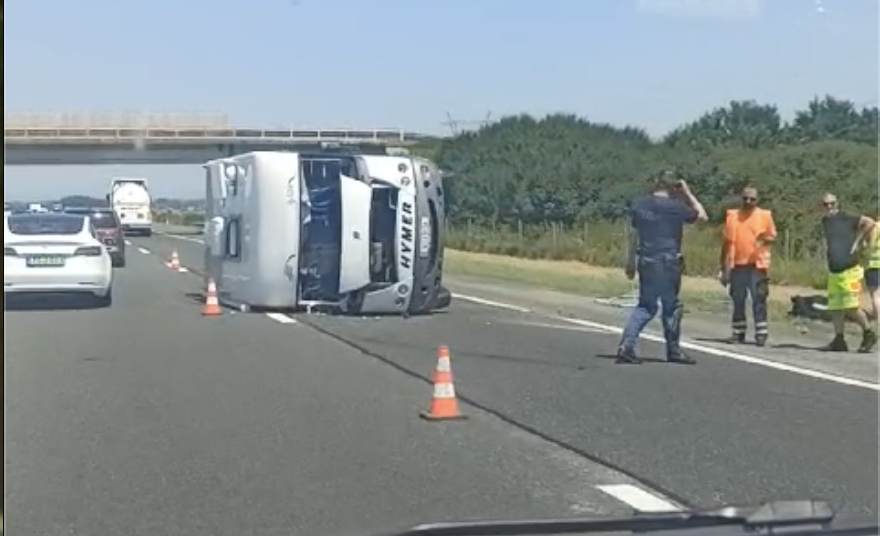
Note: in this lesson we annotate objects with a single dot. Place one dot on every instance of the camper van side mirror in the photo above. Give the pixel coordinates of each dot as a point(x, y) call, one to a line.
point(107, 197)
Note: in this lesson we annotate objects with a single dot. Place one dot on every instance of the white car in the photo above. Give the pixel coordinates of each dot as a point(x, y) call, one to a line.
point(55, 254)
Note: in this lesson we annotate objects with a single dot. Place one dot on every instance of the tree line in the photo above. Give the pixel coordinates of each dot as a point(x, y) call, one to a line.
point(564, 171)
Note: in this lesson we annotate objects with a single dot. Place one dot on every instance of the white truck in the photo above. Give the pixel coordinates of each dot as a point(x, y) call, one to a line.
point(130, 199)
point(347, 233)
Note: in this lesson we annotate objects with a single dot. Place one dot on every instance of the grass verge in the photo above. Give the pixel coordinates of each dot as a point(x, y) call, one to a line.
point(571, 277)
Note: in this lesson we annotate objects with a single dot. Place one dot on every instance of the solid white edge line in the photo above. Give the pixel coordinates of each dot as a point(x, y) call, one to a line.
point(490, 303)
point(282, 318)
point(638, 498)
point(717, 352)
point(144, 251)
point(179, 237)
point(548, 325)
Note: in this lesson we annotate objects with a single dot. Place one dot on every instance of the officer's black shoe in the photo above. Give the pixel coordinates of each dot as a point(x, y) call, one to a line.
point(680, 358)
point(836, 345)
point(739, 338)
point(761, 340)
point(627, 357)
point(869, 341)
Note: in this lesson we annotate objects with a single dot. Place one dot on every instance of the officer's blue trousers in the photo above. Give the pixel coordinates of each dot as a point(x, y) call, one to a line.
point(659, 285)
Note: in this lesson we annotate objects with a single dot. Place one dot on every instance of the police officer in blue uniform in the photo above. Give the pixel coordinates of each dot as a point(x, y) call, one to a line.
point(658, 221)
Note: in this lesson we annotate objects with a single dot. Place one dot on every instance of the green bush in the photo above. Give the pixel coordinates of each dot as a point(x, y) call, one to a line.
point(604, 244)
point(510, 178)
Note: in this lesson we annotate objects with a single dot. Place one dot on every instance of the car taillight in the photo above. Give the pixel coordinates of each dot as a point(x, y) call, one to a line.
point(89, 251)
point(9, 252)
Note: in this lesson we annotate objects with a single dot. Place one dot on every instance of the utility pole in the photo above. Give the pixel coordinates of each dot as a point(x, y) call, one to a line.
point(456, 127)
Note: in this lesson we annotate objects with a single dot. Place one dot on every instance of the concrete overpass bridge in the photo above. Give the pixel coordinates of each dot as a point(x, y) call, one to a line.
point(167, 138)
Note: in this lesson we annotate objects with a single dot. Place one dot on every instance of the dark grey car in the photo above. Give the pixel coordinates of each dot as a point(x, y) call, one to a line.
point(108, 229)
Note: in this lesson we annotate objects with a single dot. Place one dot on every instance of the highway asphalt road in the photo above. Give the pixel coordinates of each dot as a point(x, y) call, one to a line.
point(723, 431)
point(147, 418)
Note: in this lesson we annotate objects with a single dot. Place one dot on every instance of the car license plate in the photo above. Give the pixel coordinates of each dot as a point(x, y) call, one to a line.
point(45, 261)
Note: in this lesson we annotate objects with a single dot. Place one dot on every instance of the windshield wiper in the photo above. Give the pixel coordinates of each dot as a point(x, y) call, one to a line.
point(817, 514)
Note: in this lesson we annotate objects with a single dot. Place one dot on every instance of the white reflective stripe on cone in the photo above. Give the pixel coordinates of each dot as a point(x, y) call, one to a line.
point(444, 390)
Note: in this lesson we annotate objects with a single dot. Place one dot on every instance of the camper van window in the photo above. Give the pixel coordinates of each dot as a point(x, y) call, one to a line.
point(233, 239)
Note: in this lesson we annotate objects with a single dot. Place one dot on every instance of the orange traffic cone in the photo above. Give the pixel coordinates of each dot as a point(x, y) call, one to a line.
point(174, 262)
point(444, 403)
point(212, 302)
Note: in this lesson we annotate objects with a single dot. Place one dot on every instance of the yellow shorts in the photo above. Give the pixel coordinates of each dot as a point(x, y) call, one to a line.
point(845, 289)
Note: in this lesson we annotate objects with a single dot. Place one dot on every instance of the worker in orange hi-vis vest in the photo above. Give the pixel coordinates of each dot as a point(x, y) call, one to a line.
point(745, 262)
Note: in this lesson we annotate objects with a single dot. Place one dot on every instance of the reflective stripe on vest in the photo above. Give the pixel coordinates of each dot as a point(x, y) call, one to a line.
point(874, 259)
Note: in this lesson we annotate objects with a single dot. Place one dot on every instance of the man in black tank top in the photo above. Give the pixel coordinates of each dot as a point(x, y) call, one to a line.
point(843, 234)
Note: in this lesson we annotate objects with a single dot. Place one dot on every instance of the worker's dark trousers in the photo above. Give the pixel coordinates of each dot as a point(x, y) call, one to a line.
point(748, 281)
point(659, 286)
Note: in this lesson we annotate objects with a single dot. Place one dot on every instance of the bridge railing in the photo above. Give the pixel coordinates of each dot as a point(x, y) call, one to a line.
point(114, 120)
point(103, 127)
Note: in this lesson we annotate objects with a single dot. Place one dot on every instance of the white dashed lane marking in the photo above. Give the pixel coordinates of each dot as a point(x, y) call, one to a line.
point(638, 498)
point(282, 318)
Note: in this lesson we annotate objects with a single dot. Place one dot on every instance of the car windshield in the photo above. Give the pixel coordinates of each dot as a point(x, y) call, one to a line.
point(101, 219)
point(104, 220)
point(45, 224)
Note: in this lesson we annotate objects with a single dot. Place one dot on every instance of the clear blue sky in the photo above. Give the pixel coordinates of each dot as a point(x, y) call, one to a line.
point(407, 63)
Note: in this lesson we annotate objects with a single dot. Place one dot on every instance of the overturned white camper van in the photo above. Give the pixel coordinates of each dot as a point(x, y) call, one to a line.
point(350, 233)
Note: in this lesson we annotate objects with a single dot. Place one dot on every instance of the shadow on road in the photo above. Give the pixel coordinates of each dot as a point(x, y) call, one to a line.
point(49, 303)
point(793, 346)
point(645, 360)
point(723, 340)
point(780, 346)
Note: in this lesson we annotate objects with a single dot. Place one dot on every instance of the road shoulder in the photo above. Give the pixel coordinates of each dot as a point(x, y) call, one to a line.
point(787, 345)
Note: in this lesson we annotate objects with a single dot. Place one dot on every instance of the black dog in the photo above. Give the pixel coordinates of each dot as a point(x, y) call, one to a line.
point(813, 307)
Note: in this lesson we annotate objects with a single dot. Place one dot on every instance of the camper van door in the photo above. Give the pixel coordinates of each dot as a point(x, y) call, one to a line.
point(354, 271)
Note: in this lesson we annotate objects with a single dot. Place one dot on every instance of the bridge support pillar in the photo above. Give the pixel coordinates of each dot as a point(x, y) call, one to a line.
point(226, 150)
